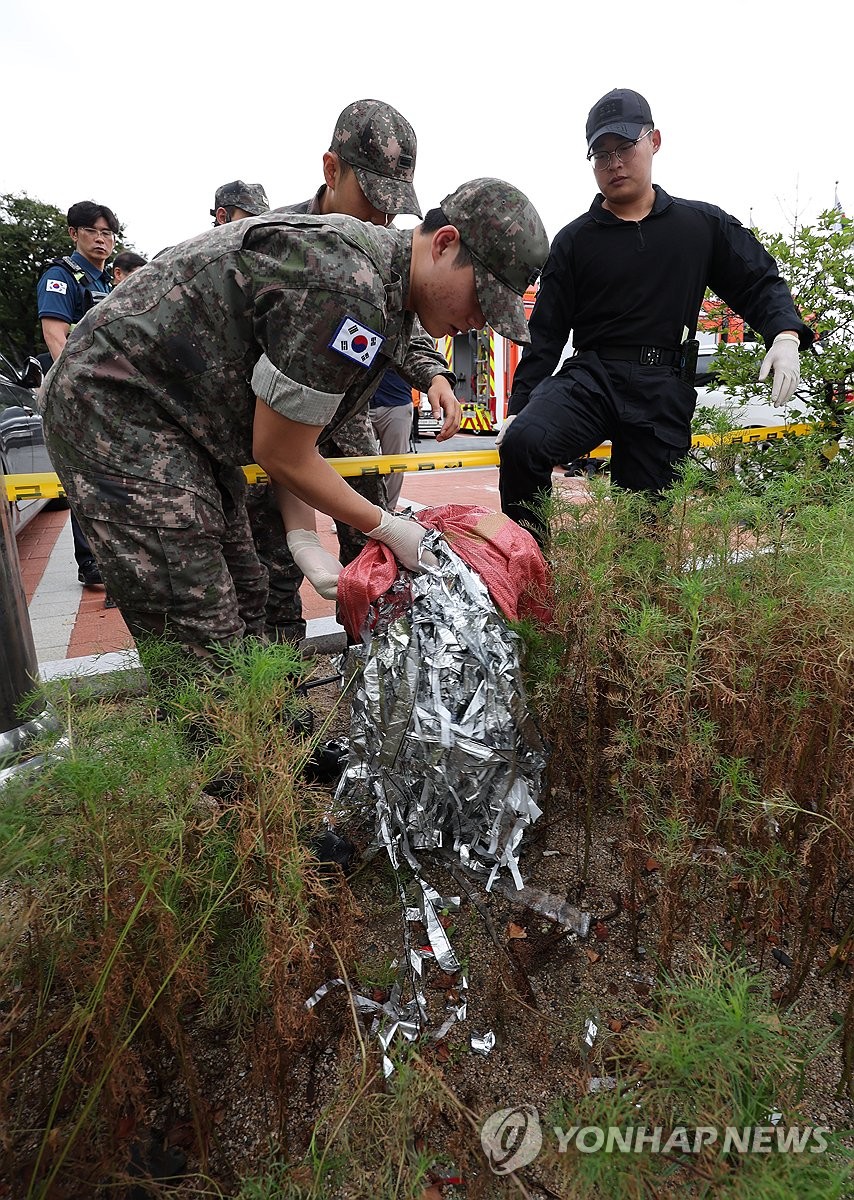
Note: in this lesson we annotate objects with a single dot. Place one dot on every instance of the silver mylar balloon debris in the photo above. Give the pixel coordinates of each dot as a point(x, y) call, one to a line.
point(443, 750)
point(442, 742)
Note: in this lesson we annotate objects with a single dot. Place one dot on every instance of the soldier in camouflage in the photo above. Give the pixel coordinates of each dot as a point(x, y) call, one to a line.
point(236, 200)
point(242, 344)
point(368, 173)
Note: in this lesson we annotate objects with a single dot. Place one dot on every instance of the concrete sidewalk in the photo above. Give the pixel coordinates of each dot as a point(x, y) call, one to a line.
point(75, 634)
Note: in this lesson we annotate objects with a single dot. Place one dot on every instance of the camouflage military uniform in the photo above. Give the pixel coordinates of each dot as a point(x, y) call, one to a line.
point(149, 410)
point(350, 435)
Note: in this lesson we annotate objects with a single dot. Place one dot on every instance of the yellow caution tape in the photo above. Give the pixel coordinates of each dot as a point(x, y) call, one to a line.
point(43, 485)
point(392, 464)
point(747, 437)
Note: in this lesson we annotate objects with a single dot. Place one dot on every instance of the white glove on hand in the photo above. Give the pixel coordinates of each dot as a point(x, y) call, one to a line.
point(403, 538)
point(504, 426)
point(320, 568)
point(784, 360)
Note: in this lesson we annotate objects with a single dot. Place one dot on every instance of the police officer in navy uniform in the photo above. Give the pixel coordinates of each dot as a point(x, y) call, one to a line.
point(67, 289)
point(627, 278)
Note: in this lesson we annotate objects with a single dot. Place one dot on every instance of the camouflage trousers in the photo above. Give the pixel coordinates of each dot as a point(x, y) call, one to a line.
point(177, 565)
point(284, 620)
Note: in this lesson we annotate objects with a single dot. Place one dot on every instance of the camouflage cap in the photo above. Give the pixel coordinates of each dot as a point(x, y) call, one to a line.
point(502, 230)
point(380, 145)
point(251, 197)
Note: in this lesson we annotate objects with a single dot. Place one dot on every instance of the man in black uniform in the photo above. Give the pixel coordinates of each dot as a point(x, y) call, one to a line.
point(628, 278)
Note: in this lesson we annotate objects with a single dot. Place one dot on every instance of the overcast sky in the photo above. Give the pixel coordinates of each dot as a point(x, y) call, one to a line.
point(148, 107)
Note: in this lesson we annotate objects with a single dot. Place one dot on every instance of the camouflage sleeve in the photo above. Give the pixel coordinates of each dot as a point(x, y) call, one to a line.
point(291, 398)
point(422, 361)
point(302, 374)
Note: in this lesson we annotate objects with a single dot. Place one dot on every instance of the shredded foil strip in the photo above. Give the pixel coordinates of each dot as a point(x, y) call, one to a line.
point(442, 741)
point(445, 753)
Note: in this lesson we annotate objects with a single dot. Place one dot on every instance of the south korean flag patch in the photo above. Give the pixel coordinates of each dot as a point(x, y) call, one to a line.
point(56, 285)
point(356, 341)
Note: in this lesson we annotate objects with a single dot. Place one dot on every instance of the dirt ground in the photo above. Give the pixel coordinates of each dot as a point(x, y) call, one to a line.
point(533, 988)
point(531, 984)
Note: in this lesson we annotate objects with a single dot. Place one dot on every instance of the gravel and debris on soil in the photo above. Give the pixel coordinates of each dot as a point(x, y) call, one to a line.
point(538, 989)
point(545, 1008)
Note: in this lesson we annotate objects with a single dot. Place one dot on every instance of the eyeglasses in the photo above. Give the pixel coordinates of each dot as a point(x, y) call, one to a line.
point(601, 159)
point(106, 233)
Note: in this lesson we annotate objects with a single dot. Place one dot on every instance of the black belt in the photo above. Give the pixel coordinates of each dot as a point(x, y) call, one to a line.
point(647, 356)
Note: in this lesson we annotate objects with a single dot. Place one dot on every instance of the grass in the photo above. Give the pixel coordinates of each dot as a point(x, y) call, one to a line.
point(147, 906)
point(164, 920)
point(711, 1052)
point(698, 677)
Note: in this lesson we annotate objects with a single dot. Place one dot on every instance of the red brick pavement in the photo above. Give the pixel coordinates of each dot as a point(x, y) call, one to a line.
point(35, 545)
point(98, 629)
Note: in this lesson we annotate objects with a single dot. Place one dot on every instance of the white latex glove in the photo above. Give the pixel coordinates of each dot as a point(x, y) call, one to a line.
point(403, 538)
point(784, 360)
point(504, 426)
point(320, 568)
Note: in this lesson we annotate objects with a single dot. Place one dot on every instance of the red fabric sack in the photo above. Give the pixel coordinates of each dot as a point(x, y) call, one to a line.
point(505, 556)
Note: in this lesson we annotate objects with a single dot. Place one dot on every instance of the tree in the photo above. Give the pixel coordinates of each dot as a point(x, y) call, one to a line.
point(818, 264)
point(31, 233)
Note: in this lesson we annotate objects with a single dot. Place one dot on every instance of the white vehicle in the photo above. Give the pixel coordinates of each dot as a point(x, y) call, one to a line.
point(755, 412)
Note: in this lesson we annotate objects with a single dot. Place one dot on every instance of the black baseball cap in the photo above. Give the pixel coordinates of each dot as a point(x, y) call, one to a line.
point(621, 111)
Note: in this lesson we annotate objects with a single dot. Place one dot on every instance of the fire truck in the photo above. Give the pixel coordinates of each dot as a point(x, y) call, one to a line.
point(484, 363)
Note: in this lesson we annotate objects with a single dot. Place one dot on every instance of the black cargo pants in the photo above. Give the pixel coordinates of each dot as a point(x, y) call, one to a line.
point(644, 411)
